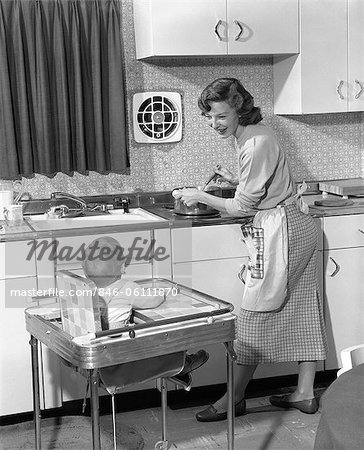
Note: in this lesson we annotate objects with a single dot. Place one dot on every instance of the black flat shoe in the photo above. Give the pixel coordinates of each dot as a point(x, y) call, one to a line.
point(306, 406)
point(194, 360)
point(210, 414)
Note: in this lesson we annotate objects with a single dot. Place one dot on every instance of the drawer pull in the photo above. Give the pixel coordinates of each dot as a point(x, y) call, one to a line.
point(361, 86)
point(241, 29)
point(337, 268)
point(338, 90)
point(217, 30)
point(241, 273)
point(361, 231)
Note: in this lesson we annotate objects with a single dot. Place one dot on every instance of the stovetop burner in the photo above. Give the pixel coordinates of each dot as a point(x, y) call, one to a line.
point(191, 215)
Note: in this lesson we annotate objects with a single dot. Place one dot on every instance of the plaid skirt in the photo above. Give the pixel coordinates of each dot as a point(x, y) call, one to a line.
point(296, 332)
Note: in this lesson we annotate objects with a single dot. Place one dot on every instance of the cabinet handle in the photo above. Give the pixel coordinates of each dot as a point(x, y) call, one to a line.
point(338, 90)
point(241, 30)
point(360, 231)
point(337, 268)
point(241, 273)
point(217, 30)
point(361, 86)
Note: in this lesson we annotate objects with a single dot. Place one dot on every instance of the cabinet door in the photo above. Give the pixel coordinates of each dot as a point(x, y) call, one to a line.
point(316, 80)
point(180, 27)
point(356, 55)
point(324, 56)
point(17, 259)
point(15, 362)
point(262, 27)
point(218, 278)
point(344, 301)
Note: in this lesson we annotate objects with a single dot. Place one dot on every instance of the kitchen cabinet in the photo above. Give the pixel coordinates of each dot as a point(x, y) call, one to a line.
point(328, 74)
point(218, 27)
point(17, 278)
point(212, 260)
point(343, 284)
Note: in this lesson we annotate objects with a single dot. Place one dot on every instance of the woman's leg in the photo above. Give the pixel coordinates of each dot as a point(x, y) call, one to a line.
point(306, 378)
point(303, 397)
point(242, 375)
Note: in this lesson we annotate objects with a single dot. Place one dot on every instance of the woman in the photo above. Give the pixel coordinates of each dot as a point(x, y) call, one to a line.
point(281, 317)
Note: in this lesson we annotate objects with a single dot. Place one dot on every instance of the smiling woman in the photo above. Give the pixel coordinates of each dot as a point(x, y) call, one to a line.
point(61, 88)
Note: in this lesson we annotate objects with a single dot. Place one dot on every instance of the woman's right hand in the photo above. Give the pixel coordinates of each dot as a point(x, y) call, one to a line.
point(224, 174)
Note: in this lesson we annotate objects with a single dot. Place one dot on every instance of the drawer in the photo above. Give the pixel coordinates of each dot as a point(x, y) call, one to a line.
point(213, 242)
point(16, 260)
point(344, 231)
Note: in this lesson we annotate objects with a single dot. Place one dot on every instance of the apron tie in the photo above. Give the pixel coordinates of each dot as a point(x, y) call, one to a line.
point(297, 198)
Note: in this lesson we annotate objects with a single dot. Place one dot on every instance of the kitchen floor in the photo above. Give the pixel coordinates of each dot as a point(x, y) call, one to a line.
point(264, 427)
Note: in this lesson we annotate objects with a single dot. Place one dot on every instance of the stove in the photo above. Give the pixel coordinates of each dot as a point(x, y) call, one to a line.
point(167, 212)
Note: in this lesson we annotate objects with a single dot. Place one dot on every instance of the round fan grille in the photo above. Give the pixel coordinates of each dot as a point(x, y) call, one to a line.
point(158, 117)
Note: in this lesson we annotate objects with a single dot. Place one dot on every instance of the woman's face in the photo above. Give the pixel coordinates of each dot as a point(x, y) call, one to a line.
point(223, 119)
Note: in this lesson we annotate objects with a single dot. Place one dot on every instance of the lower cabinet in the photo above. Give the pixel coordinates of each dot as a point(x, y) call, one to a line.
point(218, 278)
point(212, 260)
point(15, 356)
point(343, 284)
point(344, 301)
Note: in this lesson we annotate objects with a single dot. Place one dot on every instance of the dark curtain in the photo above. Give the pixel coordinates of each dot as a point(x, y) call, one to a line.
point(62, 105)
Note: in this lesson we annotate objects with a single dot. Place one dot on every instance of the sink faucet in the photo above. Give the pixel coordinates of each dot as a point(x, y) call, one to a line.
point(55, 195)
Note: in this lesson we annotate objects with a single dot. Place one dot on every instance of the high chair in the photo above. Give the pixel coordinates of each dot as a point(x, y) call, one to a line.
point(80, 315)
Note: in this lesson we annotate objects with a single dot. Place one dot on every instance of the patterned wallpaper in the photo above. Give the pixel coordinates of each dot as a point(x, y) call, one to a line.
point(319, 147)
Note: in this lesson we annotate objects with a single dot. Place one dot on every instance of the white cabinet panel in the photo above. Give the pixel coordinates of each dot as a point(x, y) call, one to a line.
point(344, 231)
point(16, 259)
point(202, 243)
point(180, 27)
point(15, 362)
point(218, 278)
point(344, 301)
point(215, 27)
point(262, 27)
point(356, 55)
point(321, 79)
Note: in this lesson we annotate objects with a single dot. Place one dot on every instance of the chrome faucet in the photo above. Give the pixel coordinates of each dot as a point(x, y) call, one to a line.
point(82, 203)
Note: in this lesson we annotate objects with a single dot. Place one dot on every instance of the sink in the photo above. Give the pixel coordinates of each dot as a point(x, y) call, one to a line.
point(115, 217)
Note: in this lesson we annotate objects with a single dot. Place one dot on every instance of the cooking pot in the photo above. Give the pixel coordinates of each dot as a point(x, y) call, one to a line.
point(198, 209)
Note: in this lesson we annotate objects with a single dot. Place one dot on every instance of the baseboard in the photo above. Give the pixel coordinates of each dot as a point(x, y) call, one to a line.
point(177, 399)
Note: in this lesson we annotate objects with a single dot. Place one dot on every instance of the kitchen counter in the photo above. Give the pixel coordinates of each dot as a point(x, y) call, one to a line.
point(328, 211)
point(27, 231)
point(160, 205)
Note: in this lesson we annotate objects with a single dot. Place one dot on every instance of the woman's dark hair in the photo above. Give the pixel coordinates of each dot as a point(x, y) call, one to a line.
point(230, 90)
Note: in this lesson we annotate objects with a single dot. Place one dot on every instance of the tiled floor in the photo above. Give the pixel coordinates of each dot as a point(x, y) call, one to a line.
point(264, 427)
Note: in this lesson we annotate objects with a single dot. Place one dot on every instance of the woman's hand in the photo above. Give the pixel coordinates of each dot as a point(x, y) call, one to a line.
point(224, 174)
point(188, 196)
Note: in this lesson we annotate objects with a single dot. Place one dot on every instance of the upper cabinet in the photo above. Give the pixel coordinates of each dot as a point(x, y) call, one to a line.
point(262, 27)
point(328, 74)
point(215, 27)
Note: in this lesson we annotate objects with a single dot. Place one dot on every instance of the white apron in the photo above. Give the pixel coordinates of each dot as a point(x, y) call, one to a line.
point(267, 242)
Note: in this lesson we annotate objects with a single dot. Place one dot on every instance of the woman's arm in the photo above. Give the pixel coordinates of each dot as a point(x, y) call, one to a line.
point(191, 196)
point(225, 175)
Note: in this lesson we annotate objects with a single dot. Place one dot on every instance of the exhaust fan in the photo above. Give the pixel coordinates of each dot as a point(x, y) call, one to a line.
point(157, 117)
